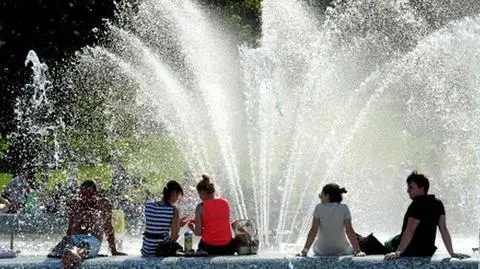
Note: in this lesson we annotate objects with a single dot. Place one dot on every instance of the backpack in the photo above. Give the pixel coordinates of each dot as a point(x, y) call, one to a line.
point(168, 249)
point(370, 245)
point(246, 236)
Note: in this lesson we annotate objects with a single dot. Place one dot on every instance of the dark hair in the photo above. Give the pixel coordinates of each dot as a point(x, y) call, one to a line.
point(88, 184)
point(420, 179)
point(205, 185)
point(172, 185)
point(28, 173)
point(334, 192)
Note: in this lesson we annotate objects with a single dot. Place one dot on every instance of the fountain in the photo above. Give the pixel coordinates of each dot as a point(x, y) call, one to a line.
point(360, 95)
point(38, 122)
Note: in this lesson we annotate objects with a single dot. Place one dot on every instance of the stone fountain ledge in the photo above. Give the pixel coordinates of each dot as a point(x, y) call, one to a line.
point(254, 261)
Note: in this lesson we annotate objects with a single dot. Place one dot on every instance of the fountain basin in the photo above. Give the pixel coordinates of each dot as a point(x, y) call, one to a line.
point(254, 261)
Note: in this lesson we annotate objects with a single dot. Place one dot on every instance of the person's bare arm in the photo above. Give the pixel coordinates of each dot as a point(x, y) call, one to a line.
point(5, 205)
point(108, 226)
point(407, 236)
point(447, 240)
point(198, 226)
point(175, 226)
point(4, 201)
point(310, 237)
point(352, 237)
point(71, 217)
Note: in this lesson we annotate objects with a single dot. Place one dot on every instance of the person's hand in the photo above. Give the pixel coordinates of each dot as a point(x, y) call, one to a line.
point(360, 254)
point(392, 255)
point(191, 225)
point(302, 253)
point(460, 256)
point(183, 221)
point(117, 253)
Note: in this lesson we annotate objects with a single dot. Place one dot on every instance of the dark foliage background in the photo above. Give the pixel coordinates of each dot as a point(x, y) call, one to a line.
point(55, 30)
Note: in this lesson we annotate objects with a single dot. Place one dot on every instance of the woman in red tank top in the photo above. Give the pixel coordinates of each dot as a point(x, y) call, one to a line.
point(212, 221)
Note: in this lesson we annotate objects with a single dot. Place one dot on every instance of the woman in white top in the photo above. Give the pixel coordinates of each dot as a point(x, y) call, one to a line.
point(331, 221)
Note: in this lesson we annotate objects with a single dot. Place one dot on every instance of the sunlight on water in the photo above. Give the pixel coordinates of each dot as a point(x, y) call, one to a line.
point(360, 95)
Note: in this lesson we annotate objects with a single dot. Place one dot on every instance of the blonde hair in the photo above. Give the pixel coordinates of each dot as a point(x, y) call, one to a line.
point(205, 185)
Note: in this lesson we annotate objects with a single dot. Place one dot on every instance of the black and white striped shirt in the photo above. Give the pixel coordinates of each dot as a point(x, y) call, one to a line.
point(158, 220)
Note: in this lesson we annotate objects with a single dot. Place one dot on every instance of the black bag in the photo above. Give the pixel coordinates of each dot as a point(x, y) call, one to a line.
point(168, 249)
point(370, 245)
point(393, 243)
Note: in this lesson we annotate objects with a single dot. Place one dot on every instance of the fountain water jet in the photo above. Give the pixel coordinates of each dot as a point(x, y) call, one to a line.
point(350, 97)
point(38, 122)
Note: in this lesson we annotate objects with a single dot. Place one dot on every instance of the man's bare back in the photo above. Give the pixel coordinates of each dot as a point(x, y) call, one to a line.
point(90, 217)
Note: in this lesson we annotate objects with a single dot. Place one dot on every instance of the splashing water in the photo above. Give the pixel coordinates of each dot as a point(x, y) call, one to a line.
point(37, 122)
point(360, 95)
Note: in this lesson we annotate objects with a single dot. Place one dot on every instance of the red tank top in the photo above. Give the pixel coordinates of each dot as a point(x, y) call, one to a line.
point(216, 222)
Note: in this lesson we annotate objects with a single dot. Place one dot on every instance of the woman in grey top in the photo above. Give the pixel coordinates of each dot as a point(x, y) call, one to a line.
point(331, 222)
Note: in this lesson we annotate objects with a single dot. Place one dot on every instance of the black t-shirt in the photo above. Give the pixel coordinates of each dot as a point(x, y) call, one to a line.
point(427, 209)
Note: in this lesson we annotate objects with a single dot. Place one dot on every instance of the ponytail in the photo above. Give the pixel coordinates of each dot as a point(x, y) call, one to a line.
point(205, 185)
point(334, 192)
point(166, 195)
point(167, 191)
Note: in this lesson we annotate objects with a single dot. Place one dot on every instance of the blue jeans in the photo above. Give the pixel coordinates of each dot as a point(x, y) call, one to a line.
point(80, 240)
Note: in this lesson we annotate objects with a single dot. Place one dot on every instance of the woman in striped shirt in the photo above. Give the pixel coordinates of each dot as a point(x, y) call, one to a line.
point(162, 220)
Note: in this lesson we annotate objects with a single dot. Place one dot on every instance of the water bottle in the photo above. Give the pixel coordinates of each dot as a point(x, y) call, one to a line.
point(118, 224)
point(188, 241)
point(31, 200)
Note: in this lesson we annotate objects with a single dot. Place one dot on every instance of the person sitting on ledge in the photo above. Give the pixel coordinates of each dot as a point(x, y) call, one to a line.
point(331, 220)
point(212, 221)
point(16, 192)
point(162, 223)
point(420, 223)
point(89, 216)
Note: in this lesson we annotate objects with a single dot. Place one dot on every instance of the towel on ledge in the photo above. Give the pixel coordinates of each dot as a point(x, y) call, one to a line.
point(7, 253)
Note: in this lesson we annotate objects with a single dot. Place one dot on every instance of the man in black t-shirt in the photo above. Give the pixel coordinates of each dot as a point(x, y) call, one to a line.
point(420, 223)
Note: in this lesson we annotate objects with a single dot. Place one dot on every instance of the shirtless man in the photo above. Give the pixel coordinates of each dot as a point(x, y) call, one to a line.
point(89, 217)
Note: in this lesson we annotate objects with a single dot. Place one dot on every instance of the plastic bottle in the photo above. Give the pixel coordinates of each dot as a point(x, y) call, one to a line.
point(31, 200)
point(118, 223)
point(188, 241)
